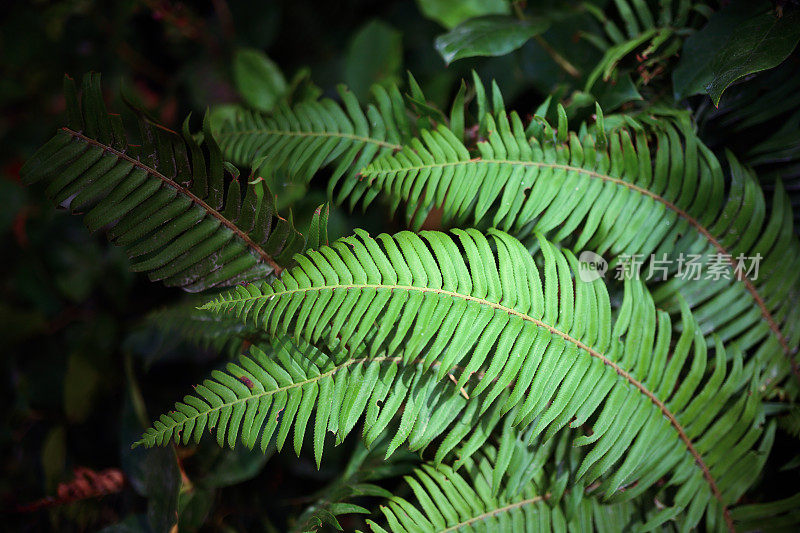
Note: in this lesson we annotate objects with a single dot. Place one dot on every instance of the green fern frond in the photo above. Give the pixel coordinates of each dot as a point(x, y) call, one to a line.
point(621, 195)
point(264, 394)
point(312, 134)
point(552, 344)
point(781, 515)
point(165, 201)
point(655, 31)
point(536, 497)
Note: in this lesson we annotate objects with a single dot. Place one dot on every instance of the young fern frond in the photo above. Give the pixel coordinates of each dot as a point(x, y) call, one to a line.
point(622, 195)
point(312, 134)
point(453, 301)
point(165, 201)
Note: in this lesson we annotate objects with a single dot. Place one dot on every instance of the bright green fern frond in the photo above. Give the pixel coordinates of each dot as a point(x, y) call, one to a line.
point(623, 196)
point(312, 134)
point(548, 347)
point(165, 201)
point(263, 394)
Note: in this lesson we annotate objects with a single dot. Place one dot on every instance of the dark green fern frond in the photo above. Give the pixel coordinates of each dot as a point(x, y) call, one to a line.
point(781, 515)
point(547, 347)
point(166, 201)
point(620, 194)
point(365, 466)
point(654, 31)
point(317, 133)
point(200, 328)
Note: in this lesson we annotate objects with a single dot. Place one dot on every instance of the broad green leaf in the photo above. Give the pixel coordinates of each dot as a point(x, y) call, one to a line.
point(762, 43)
point(451, 13)
point(491, 35)
point(741, 39)
point(258, 79)
point(375, 55)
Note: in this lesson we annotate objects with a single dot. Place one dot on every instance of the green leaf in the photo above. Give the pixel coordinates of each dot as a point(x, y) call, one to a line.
point(451, 13)
point(762, 43)
point(258, 79)
point(375, 55)
point(491, 35)
point(739, 40)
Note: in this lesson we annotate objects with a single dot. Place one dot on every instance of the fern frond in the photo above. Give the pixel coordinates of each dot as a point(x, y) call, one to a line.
point(165, 201)
point(656, 31)
point(551, 343)
point(312, 134)
point(781, 515)
point(621, 195)
point(538, 496)
point(263, 394)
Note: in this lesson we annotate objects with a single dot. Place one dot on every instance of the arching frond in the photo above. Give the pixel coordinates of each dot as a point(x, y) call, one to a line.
point(781, 515)
point(623, 196)
point(262, 395)
point(165, 201)
point(448, 302)
point(311, 134)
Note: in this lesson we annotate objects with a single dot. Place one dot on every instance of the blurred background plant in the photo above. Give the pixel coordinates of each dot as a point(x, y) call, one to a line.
point(82, 347)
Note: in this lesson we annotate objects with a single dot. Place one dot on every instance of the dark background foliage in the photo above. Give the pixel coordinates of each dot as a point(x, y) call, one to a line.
point(78, 356)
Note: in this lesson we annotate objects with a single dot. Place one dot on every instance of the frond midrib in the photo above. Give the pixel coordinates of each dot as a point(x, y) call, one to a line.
point(263, 255)
point(606, 361)
point(499, 510)
point(748, 283)
point(307, 133)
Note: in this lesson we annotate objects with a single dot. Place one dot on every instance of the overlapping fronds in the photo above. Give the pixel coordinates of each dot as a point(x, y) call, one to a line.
point(311, 134)
point(166, 201)
point(621, 194)
point(454, 301)
point(538, 495)
point(262, 395)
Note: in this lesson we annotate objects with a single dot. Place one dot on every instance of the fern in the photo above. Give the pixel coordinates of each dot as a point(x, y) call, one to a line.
point(264, 394)
point(316, 133)
point(532, 498)
point(165, 201)
point(623, 195)
point(553, 345)
point(657, 32)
